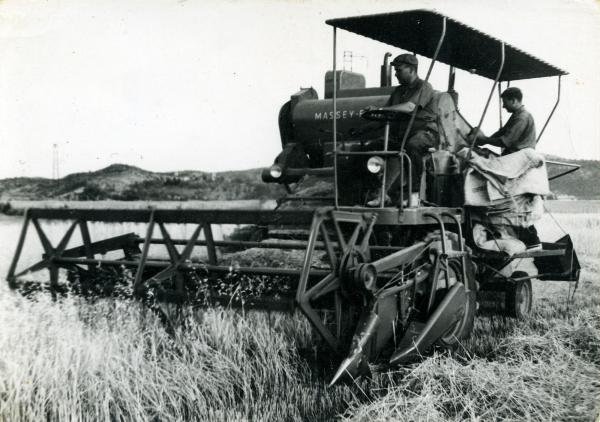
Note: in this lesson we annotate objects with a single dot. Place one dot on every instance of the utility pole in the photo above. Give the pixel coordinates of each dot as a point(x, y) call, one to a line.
point(348, 60)
point(55, 172)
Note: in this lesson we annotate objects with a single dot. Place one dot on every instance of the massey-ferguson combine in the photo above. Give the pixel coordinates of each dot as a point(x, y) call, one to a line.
point(384, 283)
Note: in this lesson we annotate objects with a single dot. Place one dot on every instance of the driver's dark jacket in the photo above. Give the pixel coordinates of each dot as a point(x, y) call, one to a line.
point(426, 117)
point(518, 132)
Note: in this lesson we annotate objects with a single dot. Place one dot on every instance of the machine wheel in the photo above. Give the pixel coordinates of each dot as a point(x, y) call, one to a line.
point(463, 327)
point(519, 297)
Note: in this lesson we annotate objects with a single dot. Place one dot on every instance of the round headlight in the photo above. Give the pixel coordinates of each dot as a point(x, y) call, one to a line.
point(275, 171)
point(375, 164)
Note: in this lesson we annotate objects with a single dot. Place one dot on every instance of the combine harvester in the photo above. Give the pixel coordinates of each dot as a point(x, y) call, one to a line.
point(376, 283)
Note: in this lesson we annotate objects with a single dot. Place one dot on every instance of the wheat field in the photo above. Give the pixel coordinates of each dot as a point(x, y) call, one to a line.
point(71, 360)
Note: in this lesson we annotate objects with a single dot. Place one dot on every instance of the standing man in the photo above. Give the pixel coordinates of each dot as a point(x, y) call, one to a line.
point(518, 132)
point(412, 93)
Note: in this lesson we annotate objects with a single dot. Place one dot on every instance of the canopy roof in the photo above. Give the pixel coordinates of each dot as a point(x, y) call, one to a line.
point(464, 47)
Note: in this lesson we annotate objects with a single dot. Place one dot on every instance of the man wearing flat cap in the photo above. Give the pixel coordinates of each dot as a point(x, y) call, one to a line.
point(413, 92)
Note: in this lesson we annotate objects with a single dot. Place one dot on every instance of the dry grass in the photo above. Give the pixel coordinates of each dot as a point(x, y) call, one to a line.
point(113, 361)
point(547, 368)
point(70, 361)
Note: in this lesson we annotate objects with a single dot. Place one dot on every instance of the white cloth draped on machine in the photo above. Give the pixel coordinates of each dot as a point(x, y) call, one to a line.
point(509, 188)
point(506, 192)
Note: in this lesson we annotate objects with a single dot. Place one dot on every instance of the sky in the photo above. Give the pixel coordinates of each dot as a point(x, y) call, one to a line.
point(197, 84)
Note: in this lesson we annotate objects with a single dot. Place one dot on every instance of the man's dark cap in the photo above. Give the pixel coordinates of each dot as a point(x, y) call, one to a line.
point(512, 92)
point(405, 59)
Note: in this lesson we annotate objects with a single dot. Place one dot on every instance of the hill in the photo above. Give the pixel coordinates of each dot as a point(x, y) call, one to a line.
point(124, 182)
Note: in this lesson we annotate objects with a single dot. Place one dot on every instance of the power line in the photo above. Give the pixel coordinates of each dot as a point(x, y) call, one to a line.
point(55, 171)
point(348, 60)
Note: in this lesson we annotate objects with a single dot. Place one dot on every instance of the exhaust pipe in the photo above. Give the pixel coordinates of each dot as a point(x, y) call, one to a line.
point(386, 71)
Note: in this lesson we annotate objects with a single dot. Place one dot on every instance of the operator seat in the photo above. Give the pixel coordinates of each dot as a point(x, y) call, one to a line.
point(452, 127)
point(441, 182)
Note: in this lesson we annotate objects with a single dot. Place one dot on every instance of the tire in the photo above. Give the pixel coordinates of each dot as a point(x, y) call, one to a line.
point(518, 297)
point(463, 327)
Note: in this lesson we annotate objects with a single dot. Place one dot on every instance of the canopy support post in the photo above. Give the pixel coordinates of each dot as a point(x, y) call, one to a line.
point(414, 112)
point(552, 112)
point(487, 104)
point(335, 150)
point(500, 103)
point(433, 60)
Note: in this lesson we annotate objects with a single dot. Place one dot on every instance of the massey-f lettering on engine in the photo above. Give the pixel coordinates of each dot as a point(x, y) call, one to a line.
point(339, 114)
point(312, 118)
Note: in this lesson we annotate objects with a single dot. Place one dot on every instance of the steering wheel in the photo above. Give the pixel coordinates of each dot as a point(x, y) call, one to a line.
point(381, 115)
